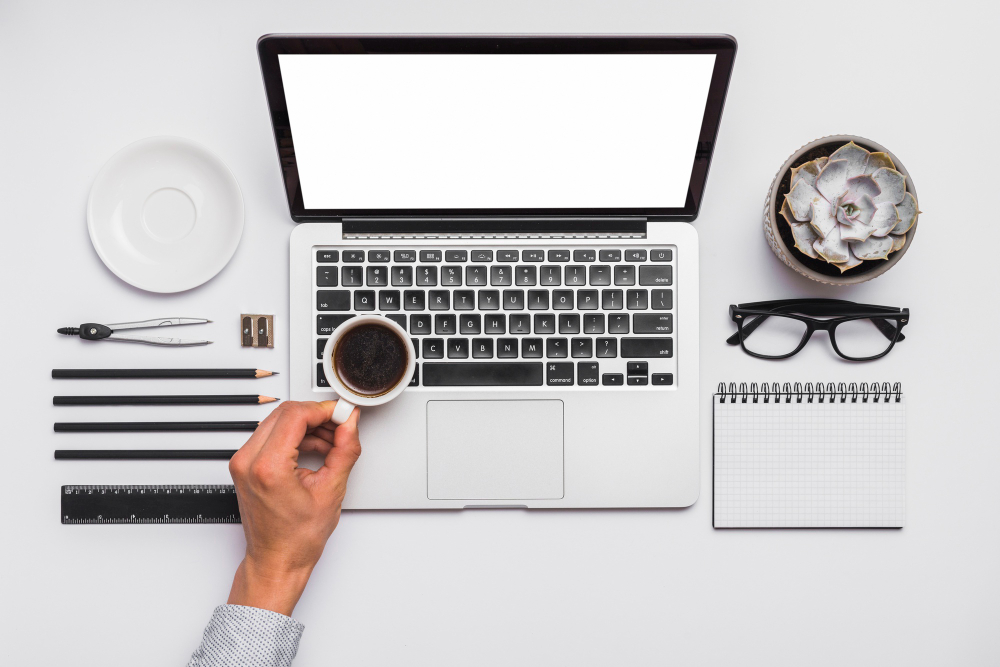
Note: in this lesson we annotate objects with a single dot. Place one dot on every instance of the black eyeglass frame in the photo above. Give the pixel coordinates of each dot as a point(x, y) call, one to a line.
point(837, 310)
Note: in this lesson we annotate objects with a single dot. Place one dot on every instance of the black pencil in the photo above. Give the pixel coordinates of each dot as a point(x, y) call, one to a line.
point(210, 399)
point(122, 427)
point(112, 373)
point(133, 454)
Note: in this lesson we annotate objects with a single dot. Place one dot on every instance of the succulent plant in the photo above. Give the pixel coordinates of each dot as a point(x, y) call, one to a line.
point(849, 207)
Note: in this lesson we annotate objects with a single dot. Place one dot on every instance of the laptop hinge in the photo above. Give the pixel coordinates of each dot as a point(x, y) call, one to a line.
point(494, 228)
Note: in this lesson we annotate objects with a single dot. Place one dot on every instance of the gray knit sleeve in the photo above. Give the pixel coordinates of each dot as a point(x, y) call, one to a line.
point(248, 637)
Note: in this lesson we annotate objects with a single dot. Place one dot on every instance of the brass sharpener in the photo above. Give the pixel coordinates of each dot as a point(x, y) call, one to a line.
point(257, 330)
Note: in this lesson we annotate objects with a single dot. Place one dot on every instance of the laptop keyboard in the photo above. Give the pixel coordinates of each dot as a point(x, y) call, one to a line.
point(583, 317)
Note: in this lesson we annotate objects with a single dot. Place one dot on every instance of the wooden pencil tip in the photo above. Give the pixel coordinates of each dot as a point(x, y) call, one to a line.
point(266, 399)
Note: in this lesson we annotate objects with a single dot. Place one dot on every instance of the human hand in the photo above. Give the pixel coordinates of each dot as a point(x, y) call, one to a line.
point(288, 512)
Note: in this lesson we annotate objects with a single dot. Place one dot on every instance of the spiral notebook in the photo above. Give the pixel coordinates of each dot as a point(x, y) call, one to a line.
point(813, 456)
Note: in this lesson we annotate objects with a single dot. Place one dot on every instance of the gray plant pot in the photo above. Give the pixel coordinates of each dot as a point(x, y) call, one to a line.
point(799, 262)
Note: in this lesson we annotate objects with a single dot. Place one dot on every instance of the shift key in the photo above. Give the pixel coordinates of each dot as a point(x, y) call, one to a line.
point(646, 348)
point(647, 323)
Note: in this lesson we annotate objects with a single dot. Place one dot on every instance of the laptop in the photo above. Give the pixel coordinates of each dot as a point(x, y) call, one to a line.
point(522, 206)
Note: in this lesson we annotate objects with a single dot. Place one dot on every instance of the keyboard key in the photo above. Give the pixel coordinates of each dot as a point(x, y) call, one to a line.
point(617, 324)
point(656, 275)
point(558, 255)
point(364, 300)
point(569, 323)
point(507, 255)
point(398, 319)
point(325, 324)
point(430, 255)
point(501, 275)
point(321, 380)
point(556, 348)
point(456, 256)
point(560, 373)
point(624, 275)
point(327, 256)
point(327, 299)
point(420, 325)
point(587, 373)
point(637, 299)
point(613, 379)
point(433, 348)
point(593, 323)
point(483, 374)
point(482, 348)
point(576, 274)
point(475, 276)
point(513, 299)
point(481, 256)
point(545, 324)
point(404, 256)
point(520, 324)
point(582, 348)
point(663, 378)
point(562, 299)
point(427, 276)
point(489, 299)
point(451, 275)
point(549, 276)
point(439, 299)
point(458, 348)
point(524, 276)
point(376, 276)
point(607, 348)
point(637, 368)
point(586, 299)
point(415, 380)
point(471, 323)
point(663, 299)
point(388, 299)
point(351, 276)
point(444, 325)
point(538, 299)
point(584, 256)
point(647, 348)
point(380, 256)
point(661, 256)
point(402, 276)
point(611, 299)
point(413, 299)
point(354, 256)
point(464, 299)
point(635, 380)
point(531, 348)
point(646, 323)
point(611, 255)
point(321, 346)
point(326, 276)
point(600, 275)
point(635, 255)
point(415, 342)
point(495, 324)
point(506, 348)
point(533, 256)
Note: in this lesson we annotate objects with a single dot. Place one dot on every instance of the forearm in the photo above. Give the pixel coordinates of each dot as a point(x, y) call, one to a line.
point(240, 636)
point(276, 589)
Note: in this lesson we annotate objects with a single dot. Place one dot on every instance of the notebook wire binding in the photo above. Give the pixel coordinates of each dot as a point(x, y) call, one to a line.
point(874, 393)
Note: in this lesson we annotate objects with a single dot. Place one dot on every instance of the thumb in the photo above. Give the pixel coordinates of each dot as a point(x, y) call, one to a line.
point(341, 458)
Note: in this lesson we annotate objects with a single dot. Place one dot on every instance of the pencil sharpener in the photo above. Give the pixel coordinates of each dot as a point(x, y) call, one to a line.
point(256, 330)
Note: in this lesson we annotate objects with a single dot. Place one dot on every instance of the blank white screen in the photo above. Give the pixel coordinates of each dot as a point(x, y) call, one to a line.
point(495, 131)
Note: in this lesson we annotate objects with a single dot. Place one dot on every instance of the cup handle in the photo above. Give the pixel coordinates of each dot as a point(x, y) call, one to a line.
point(342, 411)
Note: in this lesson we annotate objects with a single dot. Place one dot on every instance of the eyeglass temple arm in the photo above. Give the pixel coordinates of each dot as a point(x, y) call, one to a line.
point(748, 328)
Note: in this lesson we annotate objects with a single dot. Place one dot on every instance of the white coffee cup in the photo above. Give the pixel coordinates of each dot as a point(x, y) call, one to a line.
point(349, 398)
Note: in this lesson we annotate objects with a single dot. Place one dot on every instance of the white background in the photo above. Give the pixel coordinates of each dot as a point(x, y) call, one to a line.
point(81, 80)
point(495, 131)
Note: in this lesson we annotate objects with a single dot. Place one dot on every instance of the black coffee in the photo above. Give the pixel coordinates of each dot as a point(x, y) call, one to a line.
point(370, 359)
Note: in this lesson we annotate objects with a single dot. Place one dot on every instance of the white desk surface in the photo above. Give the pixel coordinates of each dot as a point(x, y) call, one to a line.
point(81, 80)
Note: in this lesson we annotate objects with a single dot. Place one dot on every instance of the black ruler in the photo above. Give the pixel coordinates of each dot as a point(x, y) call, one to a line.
point(159, 503)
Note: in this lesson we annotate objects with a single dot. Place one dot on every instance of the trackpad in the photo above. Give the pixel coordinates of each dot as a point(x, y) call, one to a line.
point(494, 450)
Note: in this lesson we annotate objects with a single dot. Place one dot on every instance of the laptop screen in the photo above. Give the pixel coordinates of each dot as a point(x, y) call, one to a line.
point(495, 131)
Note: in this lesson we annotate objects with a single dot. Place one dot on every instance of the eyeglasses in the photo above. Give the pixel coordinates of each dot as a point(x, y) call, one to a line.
point(858, 331)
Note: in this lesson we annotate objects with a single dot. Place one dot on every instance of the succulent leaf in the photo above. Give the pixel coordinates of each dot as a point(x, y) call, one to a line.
point(892, 185)
point(877, 161)
point(800, 200)
point(907, 210)
point(860, 186)
point(851, 262)
point(856, 219)
point(832, 181)
point(823, 218)
point(886, 217)
point(872, 248)
point(898, 242)
point(809, 171)
point(856, 156)
point(832, 247)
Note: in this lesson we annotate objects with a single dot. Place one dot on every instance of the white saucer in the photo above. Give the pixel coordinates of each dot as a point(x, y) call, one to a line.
point(165, 214)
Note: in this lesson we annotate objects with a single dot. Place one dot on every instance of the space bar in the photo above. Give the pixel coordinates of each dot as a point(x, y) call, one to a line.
point(482, 374)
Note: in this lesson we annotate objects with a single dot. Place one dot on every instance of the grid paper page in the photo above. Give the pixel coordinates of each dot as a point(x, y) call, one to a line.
point(808, 465)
